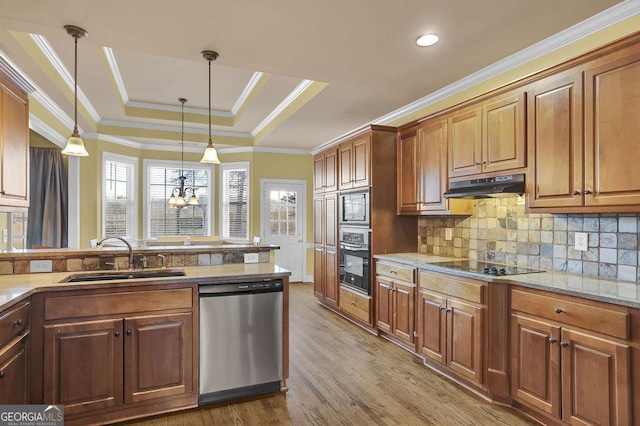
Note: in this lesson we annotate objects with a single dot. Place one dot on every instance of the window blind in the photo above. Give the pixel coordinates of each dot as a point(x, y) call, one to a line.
point(120, 210)
point(235, 192)
point(163, 220)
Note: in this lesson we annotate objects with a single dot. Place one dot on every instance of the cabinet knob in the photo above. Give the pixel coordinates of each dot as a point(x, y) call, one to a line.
point(587, 192)
point(558, 311)
point(576, 192)
point(353, 303)
point(564, 344)
point(117, 334)
point(442, 308)
point(1, 374)
point(483, 163)
point(477, 163)
point(19, 322)
point(129, 332)
point(552, 340)
point(448, 310)
point(391, 271)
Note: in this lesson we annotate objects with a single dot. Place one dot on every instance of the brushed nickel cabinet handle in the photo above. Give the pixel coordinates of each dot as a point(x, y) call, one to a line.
point(558, 311)
point(587, 192)
point(564, 344)
point(552, 340)
point(576, 192)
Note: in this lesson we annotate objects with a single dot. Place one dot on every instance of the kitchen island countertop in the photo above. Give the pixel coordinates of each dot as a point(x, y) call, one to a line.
point(15, 288)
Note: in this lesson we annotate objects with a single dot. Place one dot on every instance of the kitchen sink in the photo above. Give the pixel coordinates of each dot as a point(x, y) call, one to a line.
point(123, 275)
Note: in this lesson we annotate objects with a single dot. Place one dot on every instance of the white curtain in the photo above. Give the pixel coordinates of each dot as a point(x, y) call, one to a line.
point(47, 217)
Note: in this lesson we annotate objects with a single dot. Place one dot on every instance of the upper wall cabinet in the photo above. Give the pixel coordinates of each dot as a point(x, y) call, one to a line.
point(354, 162)
point(555, 143)
point(14, 147)
point(596, 171)
point(422, 172)
point(488, 137)
point(612, 126)
point(325, 171)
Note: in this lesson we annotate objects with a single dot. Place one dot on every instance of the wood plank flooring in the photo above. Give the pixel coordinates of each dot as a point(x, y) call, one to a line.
point(342, 375)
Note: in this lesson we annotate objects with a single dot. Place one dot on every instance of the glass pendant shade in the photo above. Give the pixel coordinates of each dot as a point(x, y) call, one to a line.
point(210, 155)
point(75, 146)
point(193, 201)
point(173, 201)
point(180, 202)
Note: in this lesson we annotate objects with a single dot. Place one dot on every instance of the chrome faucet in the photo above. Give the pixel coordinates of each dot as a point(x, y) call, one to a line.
point(128, 246)
point(163, 258)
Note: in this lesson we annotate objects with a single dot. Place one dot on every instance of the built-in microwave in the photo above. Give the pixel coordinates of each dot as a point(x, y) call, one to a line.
point(354, 208)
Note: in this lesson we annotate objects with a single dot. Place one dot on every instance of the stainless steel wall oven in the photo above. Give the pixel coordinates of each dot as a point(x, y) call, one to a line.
point(355, 258)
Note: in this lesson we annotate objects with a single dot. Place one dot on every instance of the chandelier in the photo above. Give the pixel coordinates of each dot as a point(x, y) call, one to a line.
point(179, 193)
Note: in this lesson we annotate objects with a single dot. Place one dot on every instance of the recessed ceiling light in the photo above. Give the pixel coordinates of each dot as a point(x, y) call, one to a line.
point(427, 40)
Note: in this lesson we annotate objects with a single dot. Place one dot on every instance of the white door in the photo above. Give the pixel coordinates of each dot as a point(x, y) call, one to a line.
point(283, 223)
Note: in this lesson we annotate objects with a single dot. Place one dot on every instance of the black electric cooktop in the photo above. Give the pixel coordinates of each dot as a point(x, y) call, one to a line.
point(486, 268)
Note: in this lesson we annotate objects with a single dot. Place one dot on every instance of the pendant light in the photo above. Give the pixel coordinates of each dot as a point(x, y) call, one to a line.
point(179, 193)
point(210, 153)
point(75, 144)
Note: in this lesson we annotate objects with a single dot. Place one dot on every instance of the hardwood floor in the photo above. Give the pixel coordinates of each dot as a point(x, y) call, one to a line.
point(342, 375)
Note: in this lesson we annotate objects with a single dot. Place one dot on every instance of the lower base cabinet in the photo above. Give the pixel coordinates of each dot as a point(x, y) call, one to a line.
point(571, 361)
point(13, 372)
point(110, 356)
point(355, 304)
point(451, 318)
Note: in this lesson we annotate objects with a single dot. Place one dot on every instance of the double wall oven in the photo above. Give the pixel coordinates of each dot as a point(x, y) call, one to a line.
point(355, 238)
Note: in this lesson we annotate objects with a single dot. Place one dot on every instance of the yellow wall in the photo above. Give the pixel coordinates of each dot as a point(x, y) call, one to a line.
point(262, 165)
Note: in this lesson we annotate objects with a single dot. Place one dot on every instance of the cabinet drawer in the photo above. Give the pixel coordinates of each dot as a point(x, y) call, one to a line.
point(589, 317)
point(13, 322)
point(457, 287)
point(355, 304)
point(89, 305)
point(396, 271)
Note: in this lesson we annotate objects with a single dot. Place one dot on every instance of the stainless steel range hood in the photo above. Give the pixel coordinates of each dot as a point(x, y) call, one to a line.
point(499, 186)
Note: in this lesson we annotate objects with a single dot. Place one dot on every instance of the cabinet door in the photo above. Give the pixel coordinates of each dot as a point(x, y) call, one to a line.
point(318, 271)
point(331, 277)
point(361, 162)
point(503, 142)
point(403, 311)
point(14, 189)
point(596, 389)
point(465, 143)
point(318, 173)
point(331, 170)
point(331, 220)
point(555, 142)
point(13, 372)
point(432, 323)
point(535, 371)
point(83, 365)
point(612, 108)
point(465, 331)
point(384, 304)
point(318, 220)
point(345, 160)
point(408, 173)
point(158, 356)
point(433, 179)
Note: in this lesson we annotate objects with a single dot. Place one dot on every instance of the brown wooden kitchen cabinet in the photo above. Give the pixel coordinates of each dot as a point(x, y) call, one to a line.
point(14, 147)
point(451, 318)
point(489, 136)
point(14, 334)
point(354, 162)
point(571, 359)
point(355, 304)
point(325, 171)
point(325, 278)
point(107, 355)
point(395, 291)
point(423, 174)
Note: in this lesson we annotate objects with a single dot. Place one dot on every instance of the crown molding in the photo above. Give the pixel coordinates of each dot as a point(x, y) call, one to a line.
point(9, 69)
point(46, 131)
point(607, 18)
point(260, 149)
point(291, 97)
point(115, 73)
point(162, 127)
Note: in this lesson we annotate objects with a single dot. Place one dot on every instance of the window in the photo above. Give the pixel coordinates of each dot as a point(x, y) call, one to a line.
point(234, 204)
point(17, 230)
point(160, 180)
point(283, 213)
point(119, 204)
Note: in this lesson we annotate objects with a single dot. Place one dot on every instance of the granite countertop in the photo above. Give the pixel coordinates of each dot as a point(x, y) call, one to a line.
point(625, 293)
point(15, 288)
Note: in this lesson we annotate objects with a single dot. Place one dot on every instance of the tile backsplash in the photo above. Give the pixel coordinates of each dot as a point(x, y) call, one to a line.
point(501, 231)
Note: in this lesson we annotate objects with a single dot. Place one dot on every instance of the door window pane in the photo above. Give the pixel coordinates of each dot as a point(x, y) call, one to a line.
point(284, 213)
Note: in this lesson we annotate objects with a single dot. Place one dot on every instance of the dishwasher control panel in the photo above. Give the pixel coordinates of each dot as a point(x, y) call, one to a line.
point(244, 287)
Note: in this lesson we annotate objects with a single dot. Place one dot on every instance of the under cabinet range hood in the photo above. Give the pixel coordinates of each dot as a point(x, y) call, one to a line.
point(499, 186)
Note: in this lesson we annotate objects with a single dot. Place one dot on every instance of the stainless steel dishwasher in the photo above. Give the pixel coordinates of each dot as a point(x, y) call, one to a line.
point(240, 339)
